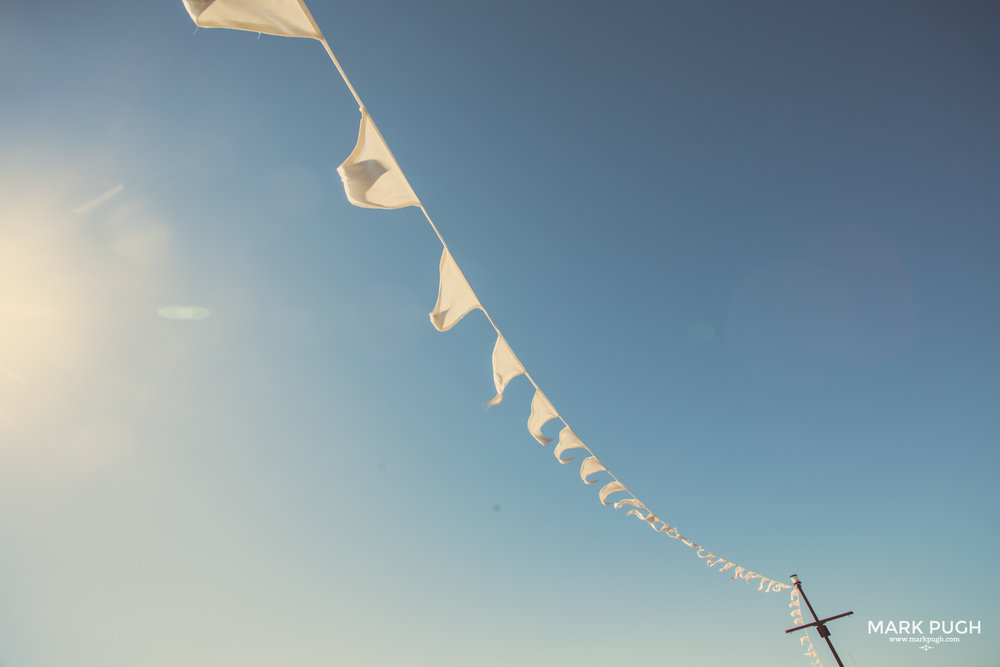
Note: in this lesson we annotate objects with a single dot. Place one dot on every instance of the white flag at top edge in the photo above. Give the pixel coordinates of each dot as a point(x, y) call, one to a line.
point(372, 179)
point(285, 18)
point(455, 296)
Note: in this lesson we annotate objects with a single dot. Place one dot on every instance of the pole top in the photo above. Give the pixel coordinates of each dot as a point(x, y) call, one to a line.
point(795, 579)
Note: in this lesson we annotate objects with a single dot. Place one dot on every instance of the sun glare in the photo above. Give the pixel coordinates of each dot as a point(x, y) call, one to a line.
point(45, 289)
point(55, 280)
point(38, 314)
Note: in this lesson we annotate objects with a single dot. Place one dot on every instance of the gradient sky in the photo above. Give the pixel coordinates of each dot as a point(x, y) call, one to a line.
point(749, 251)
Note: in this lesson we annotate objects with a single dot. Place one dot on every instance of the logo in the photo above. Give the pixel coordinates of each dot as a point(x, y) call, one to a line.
point(912, 631)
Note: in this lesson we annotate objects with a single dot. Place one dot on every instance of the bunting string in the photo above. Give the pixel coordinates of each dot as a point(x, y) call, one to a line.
point(373, 179)
point(336, 63)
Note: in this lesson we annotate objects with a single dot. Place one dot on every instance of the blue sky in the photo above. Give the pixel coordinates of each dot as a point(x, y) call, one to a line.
point(749, 253)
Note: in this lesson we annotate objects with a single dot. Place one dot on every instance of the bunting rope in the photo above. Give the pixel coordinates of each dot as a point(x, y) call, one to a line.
point(373, 179)
point(340, 69)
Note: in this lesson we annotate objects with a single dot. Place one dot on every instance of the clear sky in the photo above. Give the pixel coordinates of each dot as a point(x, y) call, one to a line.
point(749, 251)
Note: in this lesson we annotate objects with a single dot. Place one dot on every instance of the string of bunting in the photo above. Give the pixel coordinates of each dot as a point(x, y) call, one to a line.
point(804, 640)
point(372, 179)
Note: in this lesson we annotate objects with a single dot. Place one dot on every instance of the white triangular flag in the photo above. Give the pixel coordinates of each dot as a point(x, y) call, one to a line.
point(285, 18)
point(671, 532)
point(372, 179)
point(589, 466)
point(608, 489)
point(634, 502)
point(506, 367)
point(455, 296)
point(542, 412)
point(567, 440)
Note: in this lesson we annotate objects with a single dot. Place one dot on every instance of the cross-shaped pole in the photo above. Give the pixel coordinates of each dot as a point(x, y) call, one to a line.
point(820, 624)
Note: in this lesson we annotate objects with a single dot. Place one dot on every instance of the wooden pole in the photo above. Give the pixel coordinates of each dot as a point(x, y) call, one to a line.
point(820, 624)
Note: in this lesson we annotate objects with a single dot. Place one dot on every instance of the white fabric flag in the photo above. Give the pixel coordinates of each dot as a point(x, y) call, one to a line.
point(671, 532)
point(542, 412)
point(589, 466)
point(506, 367)
point(285, 18)
point(634, 502)
point(567, 440)
point(372, 179)
point(608, 489)
point(455, 297)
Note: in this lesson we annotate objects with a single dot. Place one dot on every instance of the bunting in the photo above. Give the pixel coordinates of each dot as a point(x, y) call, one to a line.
point(567, 440)
point(455, 297)
point(804, 639)
point(608, 489)
point(542, 413)
point(506, 367)
point(373, 179)
point(590, 466)
point(284, 18)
